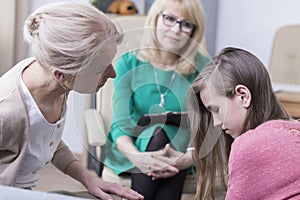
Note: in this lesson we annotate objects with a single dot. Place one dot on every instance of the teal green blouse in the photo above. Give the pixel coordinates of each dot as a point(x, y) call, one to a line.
point(136, 94)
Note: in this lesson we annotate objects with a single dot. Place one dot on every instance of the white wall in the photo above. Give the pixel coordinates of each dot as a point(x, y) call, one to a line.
point(211, 14)
point(34, 4)
point(7, 39)
point(252, 24)
point(141, 6)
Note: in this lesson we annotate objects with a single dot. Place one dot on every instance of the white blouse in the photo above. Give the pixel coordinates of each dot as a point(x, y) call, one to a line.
point(43, 141)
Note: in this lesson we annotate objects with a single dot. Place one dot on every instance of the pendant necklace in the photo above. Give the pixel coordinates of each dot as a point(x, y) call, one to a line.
point(162, 95)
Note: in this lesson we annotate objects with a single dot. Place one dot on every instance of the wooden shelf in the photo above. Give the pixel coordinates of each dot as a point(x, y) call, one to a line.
point(291, 102)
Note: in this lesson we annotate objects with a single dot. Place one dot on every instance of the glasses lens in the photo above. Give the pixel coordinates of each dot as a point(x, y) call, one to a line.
point(187, 26)
point(169, 20)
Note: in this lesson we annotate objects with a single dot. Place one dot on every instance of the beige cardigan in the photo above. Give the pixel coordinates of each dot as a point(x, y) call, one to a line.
point(14, 123)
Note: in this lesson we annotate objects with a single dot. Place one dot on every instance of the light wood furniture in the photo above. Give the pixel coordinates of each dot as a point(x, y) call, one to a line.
point(285, 58)
point(284, 68)
point(291, 102)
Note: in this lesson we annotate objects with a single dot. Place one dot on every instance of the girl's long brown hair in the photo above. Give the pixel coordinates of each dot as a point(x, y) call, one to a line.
point(212, 147)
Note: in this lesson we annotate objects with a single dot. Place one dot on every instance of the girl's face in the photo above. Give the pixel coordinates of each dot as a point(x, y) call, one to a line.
point(229, 113)
point(173, 30)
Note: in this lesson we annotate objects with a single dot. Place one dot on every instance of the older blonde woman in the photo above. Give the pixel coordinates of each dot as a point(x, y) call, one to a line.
point(152, 80)
point(73, 47)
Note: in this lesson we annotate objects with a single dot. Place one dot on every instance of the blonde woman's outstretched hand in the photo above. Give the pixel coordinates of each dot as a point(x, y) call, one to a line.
point(97, 187)
point(105, 190)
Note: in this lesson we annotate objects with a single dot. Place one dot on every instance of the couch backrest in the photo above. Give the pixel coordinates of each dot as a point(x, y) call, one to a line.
point(285, 58)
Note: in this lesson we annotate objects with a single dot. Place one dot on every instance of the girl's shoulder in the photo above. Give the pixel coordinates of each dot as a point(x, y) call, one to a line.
point(278, 126)
point(273, 131)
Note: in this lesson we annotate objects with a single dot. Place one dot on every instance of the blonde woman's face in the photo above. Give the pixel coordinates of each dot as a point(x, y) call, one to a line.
point(228, 113)
point(97, 73)
point(171, 37)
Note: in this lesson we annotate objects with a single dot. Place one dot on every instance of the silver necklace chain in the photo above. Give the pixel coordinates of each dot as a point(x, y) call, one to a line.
point(162, 95)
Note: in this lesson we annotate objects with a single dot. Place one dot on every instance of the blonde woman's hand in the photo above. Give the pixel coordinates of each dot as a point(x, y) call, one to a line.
point(97, 187)
point(105, 190)
point(148, 162)
point(175, 159)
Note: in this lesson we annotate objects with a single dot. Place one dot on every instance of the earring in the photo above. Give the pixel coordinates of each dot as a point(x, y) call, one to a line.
point(64, 87)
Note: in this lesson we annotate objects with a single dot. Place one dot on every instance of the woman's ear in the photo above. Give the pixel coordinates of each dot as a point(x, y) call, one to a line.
point(58, 75)
point(244, 94)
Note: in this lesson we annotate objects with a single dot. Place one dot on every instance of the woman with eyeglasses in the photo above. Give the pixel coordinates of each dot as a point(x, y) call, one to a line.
point(154, 79)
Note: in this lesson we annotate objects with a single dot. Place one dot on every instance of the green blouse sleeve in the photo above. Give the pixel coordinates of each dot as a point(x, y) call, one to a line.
point(123, 122)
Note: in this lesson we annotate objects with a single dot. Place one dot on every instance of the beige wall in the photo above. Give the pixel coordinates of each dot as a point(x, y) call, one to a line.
point(12, 47)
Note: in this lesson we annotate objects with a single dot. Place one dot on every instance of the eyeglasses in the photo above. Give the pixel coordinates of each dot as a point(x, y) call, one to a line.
point(185, 26)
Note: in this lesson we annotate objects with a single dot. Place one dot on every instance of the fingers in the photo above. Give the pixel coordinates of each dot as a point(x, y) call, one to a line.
point(161, 152)
point(157, 161)
point(166, 171)
point(166, 168)
point(101, 194)
point(170, 168)
point(164, 159)
point(131, 194)
point(123, 192)
point(161, 174)
point(168, 146)
point(162, 166)
point(171, 159)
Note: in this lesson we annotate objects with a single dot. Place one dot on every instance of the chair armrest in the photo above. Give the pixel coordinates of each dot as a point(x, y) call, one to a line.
point(95, 127)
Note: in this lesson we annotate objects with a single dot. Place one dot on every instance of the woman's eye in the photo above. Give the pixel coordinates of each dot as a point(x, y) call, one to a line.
point(170, 18)
point(186, 24)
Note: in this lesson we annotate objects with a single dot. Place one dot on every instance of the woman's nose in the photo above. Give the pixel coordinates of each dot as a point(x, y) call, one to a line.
point(176, 28)
point(111, 71)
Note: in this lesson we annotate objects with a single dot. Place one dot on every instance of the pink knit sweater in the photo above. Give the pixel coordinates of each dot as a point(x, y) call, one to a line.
point(264, 163)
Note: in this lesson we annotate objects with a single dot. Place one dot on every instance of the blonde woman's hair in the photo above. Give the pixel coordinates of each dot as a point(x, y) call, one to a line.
point(234, 67)
point(69, 35)
point(193, 12)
